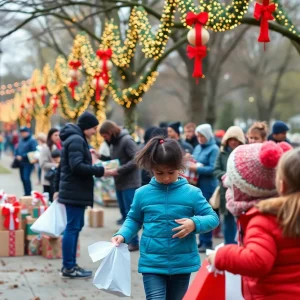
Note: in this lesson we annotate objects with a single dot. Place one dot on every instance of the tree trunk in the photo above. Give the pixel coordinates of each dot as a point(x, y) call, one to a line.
point(130, 118)
point(211, 105)
point(198, 94)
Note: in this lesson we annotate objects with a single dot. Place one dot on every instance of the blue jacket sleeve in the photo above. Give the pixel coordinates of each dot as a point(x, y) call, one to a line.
point(134, 220)
point(205, 218)
point(208, 170)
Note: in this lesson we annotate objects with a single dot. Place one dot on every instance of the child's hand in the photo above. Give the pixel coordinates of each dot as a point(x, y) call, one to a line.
point(187, 226)
point(212, 257)
point(117, 240)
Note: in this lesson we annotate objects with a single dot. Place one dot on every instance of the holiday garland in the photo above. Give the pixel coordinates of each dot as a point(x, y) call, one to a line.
point(75, 98)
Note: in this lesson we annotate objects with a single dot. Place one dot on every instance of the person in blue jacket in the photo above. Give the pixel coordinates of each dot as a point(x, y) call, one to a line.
point(172, 212)
point(27, 144)
point(205, 154)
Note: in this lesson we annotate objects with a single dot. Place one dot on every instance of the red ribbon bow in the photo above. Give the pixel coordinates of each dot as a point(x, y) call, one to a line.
point(200, 18)
point(43, 89)
point(40, 197)
point(10, 213)
point(98, 88)
point(198, 53)
point(72, 86)
point(54, 103)
point(104, 54)
point(264, 14)
point(75, 64)
point(33, 90)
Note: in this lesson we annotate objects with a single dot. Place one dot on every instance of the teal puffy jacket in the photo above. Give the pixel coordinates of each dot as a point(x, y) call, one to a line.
point(156, 206)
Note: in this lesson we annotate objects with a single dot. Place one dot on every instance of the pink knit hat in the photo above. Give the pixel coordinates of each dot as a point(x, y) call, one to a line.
point(251, 172)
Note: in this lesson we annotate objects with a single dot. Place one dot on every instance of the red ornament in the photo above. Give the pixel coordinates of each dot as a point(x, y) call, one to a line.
point(43, 93)
point(54, 103)
point(74, 65)
point(105, 56)
point(199, 51)
point(263, 12)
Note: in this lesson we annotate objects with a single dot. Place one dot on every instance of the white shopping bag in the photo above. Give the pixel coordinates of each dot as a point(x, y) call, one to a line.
point(113, 275)
point(53, 221)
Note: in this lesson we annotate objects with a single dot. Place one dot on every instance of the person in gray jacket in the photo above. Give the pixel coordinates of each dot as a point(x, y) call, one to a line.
point(127, 176)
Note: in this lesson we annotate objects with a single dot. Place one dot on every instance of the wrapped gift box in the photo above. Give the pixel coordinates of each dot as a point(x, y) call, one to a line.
point(25, 202)
point(52, 247)
point(24, 213)
point(37, 211)
point(95, 217)
point(6, 215)
point(28, 232)
point(12, 243)
point(33, 245)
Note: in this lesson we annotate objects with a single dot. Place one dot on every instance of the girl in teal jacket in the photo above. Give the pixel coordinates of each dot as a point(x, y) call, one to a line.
point(171, 212)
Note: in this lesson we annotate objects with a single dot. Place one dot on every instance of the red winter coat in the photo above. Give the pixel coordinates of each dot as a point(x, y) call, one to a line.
point(268, 262)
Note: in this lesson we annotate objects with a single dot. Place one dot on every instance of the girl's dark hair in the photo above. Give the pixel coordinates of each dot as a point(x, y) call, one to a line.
point(49, 136)
point(160, 151)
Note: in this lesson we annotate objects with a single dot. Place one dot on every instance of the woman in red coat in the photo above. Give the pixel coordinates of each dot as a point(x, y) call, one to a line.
point(268, 257)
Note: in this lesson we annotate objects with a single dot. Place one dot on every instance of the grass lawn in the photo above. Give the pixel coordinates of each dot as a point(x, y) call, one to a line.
point(4, 170)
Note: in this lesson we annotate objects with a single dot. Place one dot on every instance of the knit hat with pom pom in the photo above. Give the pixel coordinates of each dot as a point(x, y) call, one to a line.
point(251, 172)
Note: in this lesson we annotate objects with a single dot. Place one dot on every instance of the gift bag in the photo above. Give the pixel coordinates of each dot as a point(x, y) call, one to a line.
point(53, 221)
point(206, 285)
point(113, 275)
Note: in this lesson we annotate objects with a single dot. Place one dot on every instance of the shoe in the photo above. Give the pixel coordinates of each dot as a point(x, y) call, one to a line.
point(203, 248)
point(89, 273)
point(120, 222)
point(132, 247)
point(74, 273)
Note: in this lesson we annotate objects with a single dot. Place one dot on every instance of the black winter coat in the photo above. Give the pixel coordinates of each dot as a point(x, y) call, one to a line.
point(76, 186)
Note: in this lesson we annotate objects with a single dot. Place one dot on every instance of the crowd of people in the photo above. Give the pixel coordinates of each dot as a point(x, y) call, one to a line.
point(154, 192)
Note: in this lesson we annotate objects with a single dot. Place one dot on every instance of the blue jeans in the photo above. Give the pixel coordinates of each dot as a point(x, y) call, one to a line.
point(165, 287)
point(229, 228)
point(25, 173)
point(125, 198)
point(75, 222)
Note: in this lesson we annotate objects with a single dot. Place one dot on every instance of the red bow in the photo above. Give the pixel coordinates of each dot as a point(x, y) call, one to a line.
point(198, 53)
point(264, 14)
point(72, 86)
point(33, 90)
point(200, 18)
point(104, 54)
point(43, 89)
point(38, 196)
point(10, 213)
point(54, 103)
point(75, 64)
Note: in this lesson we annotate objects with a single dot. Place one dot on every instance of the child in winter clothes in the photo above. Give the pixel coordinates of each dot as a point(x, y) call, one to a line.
point(172, 211)
point(268, 258)
point(257, 133)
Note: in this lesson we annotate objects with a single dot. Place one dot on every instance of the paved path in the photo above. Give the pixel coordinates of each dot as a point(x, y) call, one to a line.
point(33, 277)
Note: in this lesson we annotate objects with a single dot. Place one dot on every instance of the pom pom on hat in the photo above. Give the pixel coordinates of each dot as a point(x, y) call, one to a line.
point(271, 152)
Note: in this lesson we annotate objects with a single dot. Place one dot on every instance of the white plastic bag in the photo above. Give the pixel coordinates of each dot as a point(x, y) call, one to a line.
point(113, 275)
point(53, 221)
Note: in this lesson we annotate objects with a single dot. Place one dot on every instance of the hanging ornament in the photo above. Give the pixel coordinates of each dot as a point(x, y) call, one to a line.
point(98, 84)
point(74, 74)
point(34, 93)
point(54, 103)
point(263, 12)
point(191, 37)
point(105, 65)
point(43, 93)
point(197, 37)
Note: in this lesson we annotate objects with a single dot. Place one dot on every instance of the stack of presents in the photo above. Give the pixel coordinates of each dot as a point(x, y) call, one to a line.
point(16, 219)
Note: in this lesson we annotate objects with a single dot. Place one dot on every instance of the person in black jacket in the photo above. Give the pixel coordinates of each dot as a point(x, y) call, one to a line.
point(76, 187)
